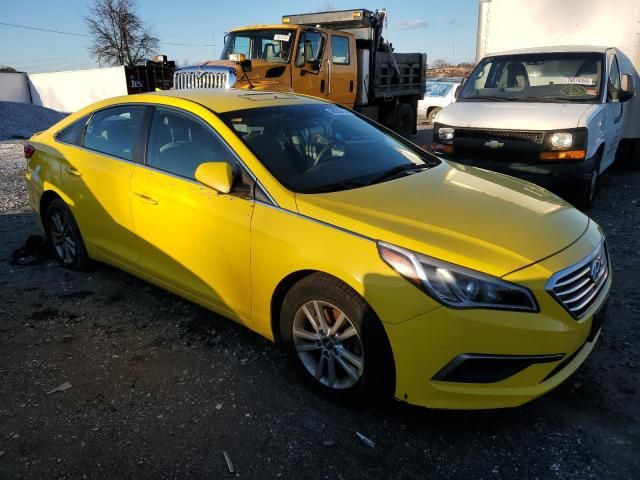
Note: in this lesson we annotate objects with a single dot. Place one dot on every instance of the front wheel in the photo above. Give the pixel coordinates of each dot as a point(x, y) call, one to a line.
point(432, 115)
point(336, 341)
point(588, 188)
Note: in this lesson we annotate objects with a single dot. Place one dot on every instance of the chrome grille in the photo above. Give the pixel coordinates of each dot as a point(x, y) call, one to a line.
point(203, 77)
point(577, 288)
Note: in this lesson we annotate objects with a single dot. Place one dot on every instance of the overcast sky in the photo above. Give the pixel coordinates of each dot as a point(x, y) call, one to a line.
point(442, 29)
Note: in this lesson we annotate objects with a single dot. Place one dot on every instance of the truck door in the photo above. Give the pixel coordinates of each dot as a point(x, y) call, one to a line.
point(341, 70)
point(613, 124)
point(306, 79)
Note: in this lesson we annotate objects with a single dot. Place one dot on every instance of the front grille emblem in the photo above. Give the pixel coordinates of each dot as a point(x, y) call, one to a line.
point(494, 144)
point(596, 268)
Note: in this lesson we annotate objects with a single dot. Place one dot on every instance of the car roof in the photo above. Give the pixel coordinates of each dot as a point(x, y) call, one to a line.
point(222, 100)
point(553, 49)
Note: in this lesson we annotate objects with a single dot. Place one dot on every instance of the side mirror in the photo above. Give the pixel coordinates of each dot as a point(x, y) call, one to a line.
point(626, 88)
point(315, 64)
point(217, 175)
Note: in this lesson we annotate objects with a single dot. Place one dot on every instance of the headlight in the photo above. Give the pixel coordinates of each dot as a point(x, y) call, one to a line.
point(456, 286)
point(445, 133)
point(562, 140)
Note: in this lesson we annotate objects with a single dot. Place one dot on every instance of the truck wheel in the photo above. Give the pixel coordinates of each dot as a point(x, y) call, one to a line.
point(432, 114)
point(405, 122)
point(588, 188)
point(633, 160)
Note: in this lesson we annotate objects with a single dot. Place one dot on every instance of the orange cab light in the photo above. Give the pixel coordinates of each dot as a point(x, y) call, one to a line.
point(441, 148)
point(563, 155)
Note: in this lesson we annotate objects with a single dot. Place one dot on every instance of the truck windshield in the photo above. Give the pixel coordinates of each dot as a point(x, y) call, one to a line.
point(549, 77)
point(267, 45)
point(324, 148)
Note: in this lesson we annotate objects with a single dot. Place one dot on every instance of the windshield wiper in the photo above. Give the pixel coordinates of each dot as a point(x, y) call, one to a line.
point(333, 187)
point(486, 97)
point(392, 172)
point(549, 99)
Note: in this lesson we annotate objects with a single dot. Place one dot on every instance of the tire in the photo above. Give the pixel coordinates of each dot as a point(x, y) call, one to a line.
point(431, 115)
point(358, 339)
point(588, 188)
point(633, 161)
point(405, 121)
point(64, 238)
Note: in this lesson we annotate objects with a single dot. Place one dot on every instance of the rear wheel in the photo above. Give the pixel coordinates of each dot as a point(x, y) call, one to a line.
point(336, 341)
point(63, 236)
point(405, 121)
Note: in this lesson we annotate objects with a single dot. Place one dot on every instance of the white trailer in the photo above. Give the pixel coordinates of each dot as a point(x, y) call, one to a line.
point(561, 69)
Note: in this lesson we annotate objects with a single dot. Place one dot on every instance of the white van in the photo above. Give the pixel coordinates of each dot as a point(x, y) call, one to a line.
point(556, 115)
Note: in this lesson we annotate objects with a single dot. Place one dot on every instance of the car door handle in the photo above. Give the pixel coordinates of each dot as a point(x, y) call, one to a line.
point(73, 171)
point(145, 198)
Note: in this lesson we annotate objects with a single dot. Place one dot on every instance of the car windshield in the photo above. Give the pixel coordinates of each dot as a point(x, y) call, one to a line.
point(549, 77)
point(267, 45)
point(437, 89)
point(323, 147)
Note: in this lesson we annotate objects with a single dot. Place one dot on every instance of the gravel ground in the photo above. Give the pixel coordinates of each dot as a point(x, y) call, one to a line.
point(21, 120)
point(160, 388)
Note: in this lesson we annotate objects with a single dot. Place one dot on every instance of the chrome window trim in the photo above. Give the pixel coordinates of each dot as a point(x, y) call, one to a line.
point(551, 283)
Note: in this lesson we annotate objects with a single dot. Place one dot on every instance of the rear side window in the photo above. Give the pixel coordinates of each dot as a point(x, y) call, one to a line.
point(178, 144)
point(114, 131)
point(73, 133)
point(339, 50)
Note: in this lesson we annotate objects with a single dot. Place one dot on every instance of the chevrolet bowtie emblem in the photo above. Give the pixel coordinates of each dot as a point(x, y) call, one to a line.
point(494, 144)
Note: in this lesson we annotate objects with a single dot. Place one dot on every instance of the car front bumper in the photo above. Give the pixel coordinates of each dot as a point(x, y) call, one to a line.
point(551, 343)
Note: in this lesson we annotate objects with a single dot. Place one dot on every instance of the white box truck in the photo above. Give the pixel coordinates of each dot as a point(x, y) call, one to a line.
point(543, 103)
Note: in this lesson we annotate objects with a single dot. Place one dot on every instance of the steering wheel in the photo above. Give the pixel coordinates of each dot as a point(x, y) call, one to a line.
point(327, 149)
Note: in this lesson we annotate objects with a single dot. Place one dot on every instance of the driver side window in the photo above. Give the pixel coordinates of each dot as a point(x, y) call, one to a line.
point(178, 144)
point(310, 47)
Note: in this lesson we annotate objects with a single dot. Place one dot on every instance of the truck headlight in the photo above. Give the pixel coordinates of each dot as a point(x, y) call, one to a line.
point(456, 286)
point(445, 133)
point(562, 139)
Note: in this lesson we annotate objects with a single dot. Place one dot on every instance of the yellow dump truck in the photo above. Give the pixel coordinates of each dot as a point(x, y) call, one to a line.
point(340, 56)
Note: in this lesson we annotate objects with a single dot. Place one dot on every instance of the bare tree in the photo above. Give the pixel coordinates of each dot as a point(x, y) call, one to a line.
point(439, 63)
point(121, 38)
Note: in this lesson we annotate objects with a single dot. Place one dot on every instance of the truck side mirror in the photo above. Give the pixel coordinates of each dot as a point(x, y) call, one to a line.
point(315, 64)
point(626, 88)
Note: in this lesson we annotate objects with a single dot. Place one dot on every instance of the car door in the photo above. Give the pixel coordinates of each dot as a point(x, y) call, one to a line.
point(193, 239)
point(613, 124)
point(96, 178)
point(311, 47)
point(341, 71)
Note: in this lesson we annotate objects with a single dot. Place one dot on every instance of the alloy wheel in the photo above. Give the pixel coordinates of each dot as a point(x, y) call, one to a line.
point(328, 344)
point(62, 237)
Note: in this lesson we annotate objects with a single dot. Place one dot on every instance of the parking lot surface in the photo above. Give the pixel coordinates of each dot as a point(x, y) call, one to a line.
point(152, 386)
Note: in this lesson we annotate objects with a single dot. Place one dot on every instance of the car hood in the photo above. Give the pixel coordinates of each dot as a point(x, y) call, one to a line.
point(513, 115)
point(472, 217)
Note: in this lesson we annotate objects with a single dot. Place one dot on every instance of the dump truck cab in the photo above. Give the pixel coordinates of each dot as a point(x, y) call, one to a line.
point(337, 56)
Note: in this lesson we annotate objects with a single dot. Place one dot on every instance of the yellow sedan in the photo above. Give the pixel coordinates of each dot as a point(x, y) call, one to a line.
point(383, 270)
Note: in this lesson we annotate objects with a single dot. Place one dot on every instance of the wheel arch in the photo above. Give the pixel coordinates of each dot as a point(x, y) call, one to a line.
point(283, 287)
point(45, 200)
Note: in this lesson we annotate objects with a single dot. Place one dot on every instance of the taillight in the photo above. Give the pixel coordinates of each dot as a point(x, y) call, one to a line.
point(28, 151)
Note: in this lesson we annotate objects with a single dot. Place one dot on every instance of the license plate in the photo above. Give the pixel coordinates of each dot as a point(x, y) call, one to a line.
point(598, 319)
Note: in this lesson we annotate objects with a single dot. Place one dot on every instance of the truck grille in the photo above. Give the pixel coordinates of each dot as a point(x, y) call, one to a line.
point(577, 288)
point(203, 77)
point(519, 135)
